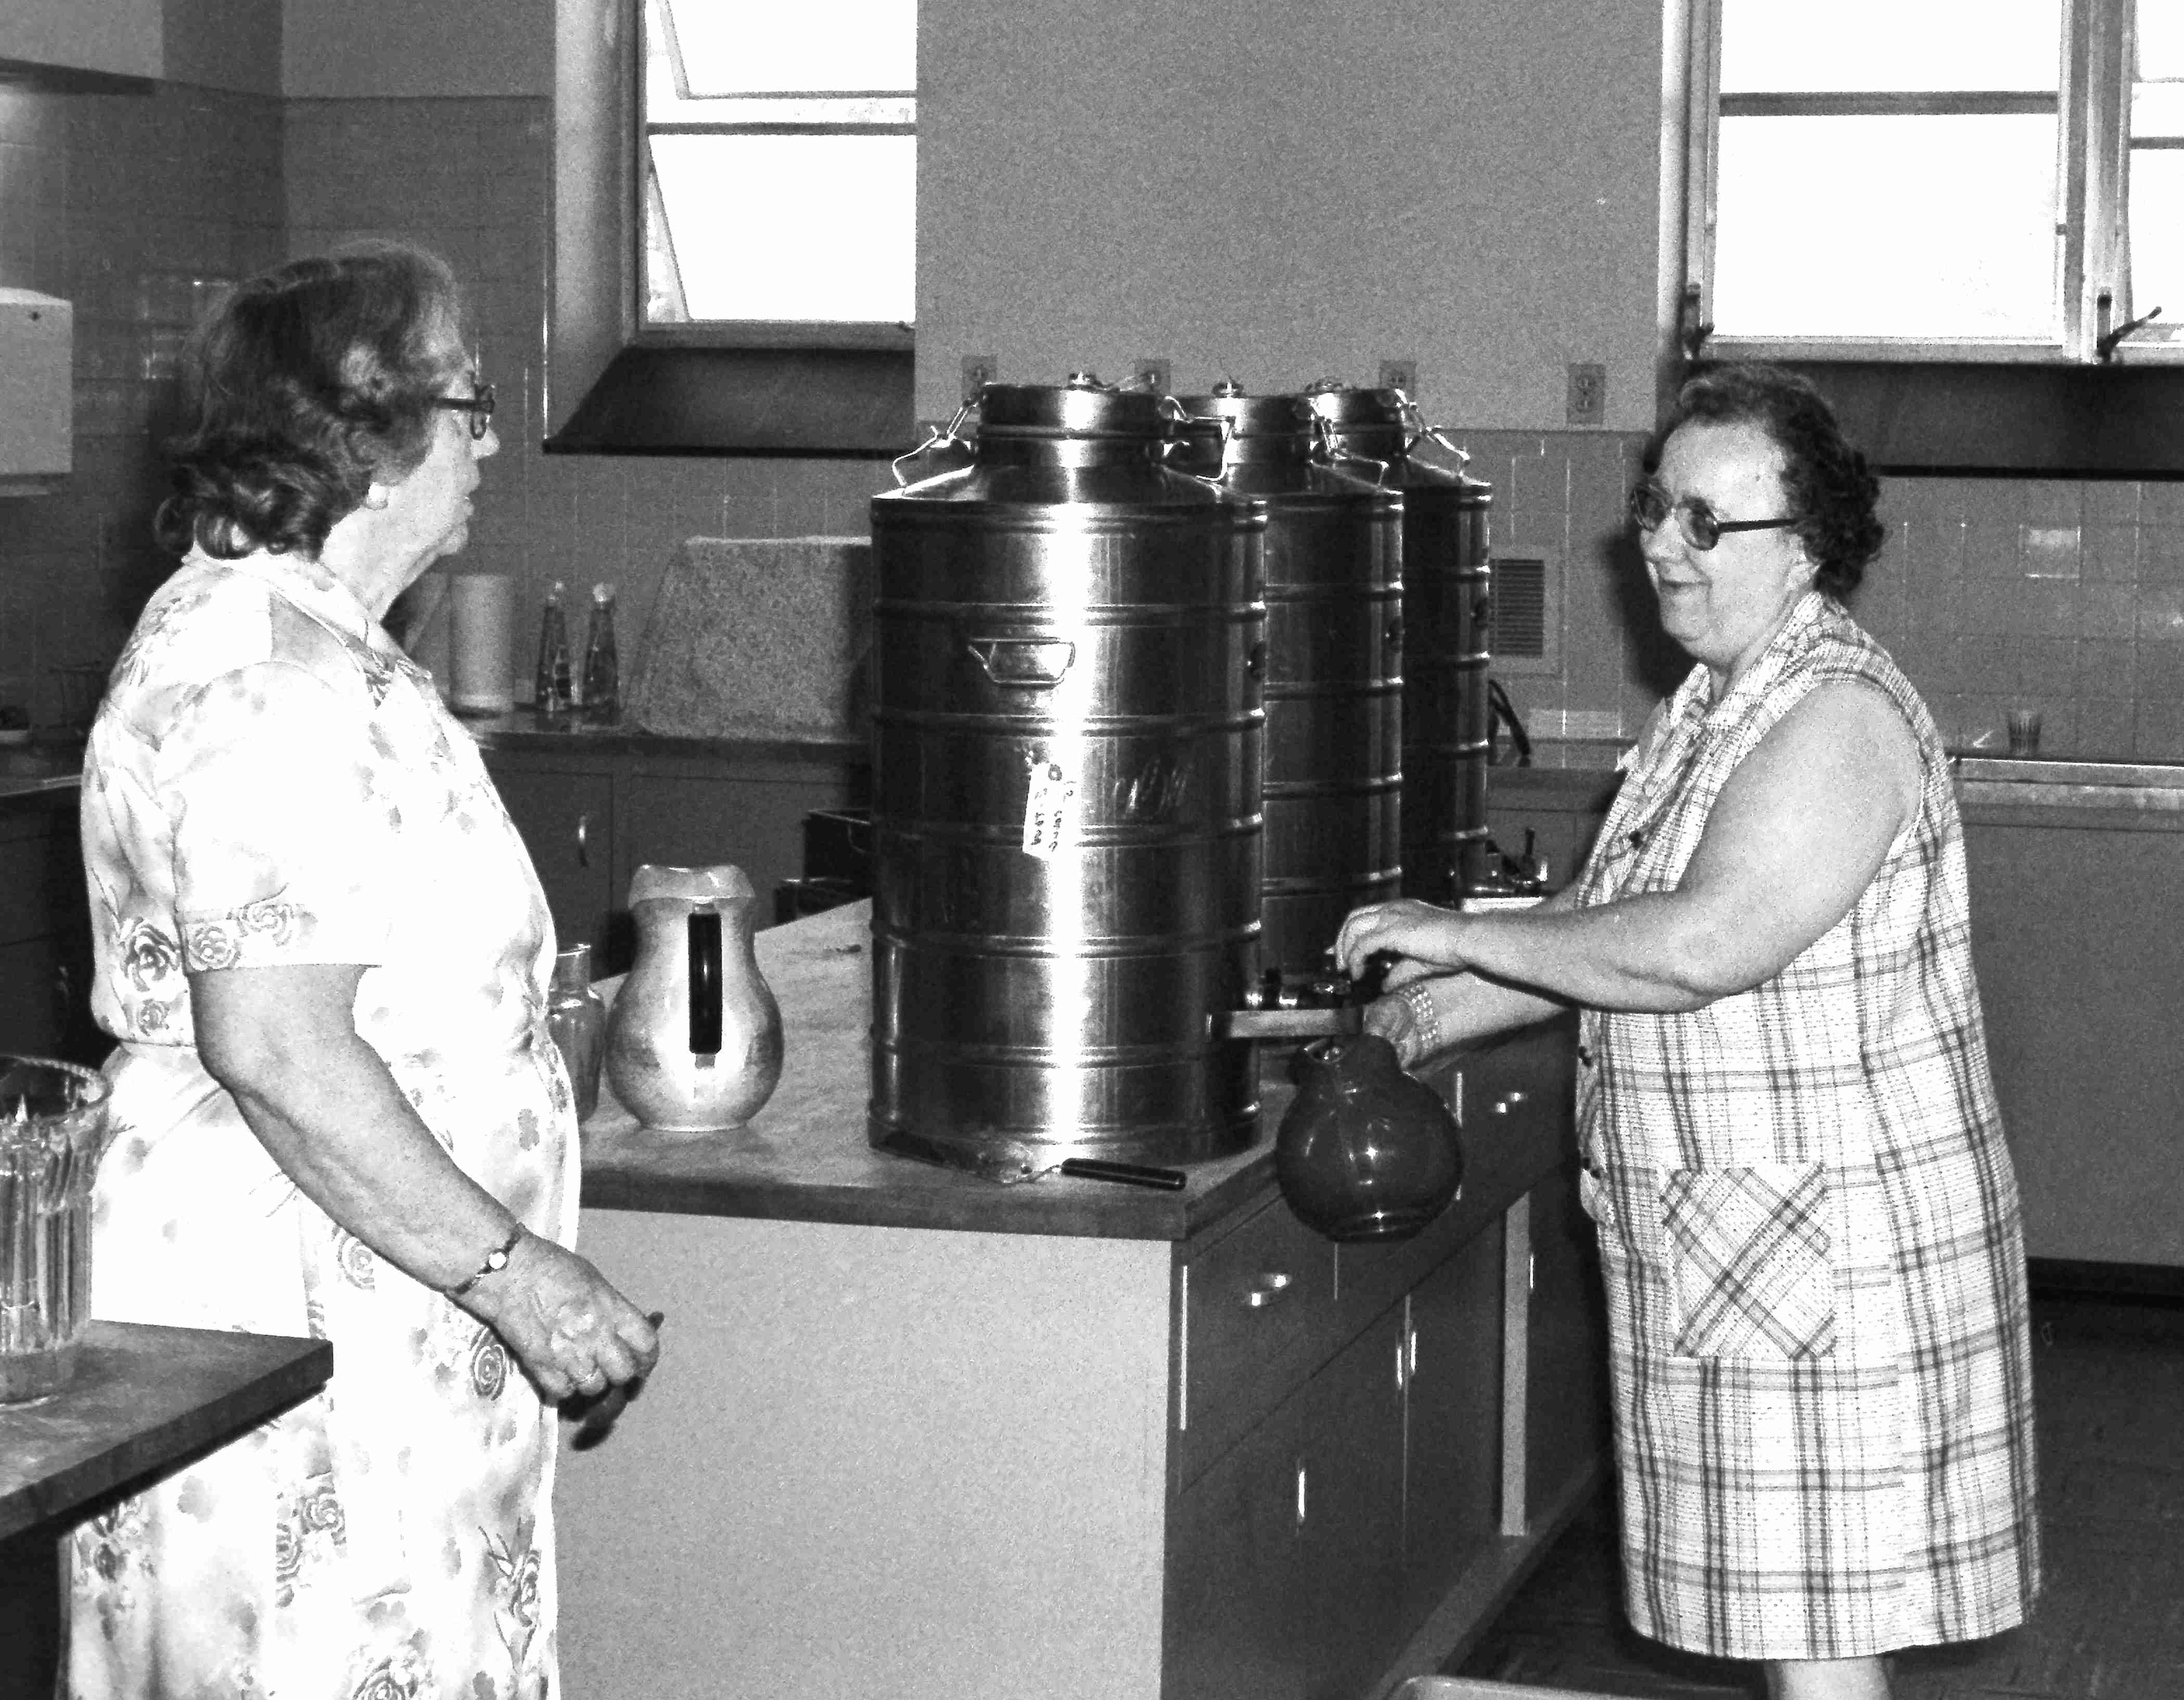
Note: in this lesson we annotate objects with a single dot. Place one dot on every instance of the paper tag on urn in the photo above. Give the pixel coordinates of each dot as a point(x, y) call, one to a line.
point(1050, 811)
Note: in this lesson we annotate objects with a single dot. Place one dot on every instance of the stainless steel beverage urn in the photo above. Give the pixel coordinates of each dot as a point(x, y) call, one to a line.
point(1068, 640)
point(1447, 603)
point(1335, 681)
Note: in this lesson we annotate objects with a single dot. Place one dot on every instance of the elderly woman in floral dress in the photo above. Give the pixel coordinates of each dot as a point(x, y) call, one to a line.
point(325, 955)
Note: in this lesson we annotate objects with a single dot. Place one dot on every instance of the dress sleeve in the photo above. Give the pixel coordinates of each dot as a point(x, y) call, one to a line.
point(286, 841)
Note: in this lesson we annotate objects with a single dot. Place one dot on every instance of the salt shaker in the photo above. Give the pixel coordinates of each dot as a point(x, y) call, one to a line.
point(576, 1016)
point(551, 688)
point(602, 669)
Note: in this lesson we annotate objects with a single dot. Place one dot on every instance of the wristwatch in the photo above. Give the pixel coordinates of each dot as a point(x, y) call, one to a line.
point(496, 1260)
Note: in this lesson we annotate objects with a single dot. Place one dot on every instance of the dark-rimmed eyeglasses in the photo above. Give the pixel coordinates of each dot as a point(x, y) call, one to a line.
point(478, 403)
point(1651, 506)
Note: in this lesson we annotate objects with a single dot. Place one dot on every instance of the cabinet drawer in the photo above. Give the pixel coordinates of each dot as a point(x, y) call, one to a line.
point(1259, 1316)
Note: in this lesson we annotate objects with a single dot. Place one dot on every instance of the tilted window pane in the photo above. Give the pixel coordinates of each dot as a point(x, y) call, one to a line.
point(761, 47)
point(2157, 240)
point(2161, 40)
point(1887, 227)
point(1772, 46)
point(792, 227)
point(2157, 111)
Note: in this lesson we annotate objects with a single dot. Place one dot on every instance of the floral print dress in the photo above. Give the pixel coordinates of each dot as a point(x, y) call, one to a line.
point(270, 780)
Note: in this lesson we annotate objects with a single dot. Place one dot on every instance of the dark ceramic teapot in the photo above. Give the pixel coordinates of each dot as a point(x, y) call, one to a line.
point(1365, 1152)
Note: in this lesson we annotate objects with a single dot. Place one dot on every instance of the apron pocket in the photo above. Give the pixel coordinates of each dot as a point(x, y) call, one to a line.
point(1749, 1253)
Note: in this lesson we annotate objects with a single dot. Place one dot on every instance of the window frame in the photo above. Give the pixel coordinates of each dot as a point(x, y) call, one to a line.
point(1961, 410)
point(2093, 137)
point(613, 384)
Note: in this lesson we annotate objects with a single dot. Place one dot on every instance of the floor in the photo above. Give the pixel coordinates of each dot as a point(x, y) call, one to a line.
point(2109, 1625)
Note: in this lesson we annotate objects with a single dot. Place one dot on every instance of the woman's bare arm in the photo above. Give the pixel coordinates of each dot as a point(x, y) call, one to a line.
point(283, 1042)
point(1795, 839)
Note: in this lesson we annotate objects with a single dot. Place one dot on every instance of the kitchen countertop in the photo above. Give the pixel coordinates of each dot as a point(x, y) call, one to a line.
point(525, 729)
point(1998, 787)
point(805, 1157)
point(41, 766)
point(143, 1397)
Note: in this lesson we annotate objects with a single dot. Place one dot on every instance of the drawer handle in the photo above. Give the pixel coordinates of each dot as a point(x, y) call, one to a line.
point(1300, 1493)
point(584, 839)
point(1271, 1285)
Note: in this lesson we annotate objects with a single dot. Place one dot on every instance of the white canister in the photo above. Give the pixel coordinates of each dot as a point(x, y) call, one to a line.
point(481, 637)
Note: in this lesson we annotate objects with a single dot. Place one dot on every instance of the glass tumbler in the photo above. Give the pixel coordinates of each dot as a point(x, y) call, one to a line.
point(52, 1132)
point(576, 1016)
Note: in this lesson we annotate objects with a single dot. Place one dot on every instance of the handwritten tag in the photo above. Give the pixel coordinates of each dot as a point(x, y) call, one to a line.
point(1050, 811)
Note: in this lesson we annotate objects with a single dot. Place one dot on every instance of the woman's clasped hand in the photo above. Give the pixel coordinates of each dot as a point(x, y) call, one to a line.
point(572, 1330)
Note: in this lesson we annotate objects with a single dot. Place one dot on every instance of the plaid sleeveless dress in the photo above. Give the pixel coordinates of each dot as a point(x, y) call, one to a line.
point(1809, 1232)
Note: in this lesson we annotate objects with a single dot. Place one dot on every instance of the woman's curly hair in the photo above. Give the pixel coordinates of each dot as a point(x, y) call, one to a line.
point(306, 384)
point(1830, 489)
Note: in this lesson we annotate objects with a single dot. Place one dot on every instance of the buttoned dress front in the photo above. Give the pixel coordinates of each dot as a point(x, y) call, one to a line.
point(1809, 1232)
point(270, 782)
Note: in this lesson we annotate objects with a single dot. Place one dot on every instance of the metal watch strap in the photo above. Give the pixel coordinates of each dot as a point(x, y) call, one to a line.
point(1423, 1011)
point(495, 1261)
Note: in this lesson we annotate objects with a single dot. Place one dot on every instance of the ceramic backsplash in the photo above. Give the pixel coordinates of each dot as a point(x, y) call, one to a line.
point(2066, 596)
point(138, 208)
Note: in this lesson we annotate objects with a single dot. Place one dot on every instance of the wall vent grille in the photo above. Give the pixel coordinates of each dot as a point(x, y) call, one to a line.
point(1520, 608)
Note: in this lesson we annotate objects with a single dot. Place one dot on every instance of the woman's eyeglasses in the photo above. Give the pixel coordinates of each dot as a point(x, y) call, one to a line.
point(1651, 506)
point(478, 403)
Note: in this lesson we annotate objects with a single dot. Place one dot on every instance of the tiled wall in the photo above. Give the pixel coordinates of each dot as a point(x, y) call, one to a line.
point(469, 178)
point(2066, 596)
point(135, 208)
point(123, 205)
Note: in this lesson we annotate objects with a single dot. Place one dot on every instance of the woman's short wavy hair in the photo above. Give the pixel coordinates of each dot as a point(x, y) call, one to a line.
point(1831, 491)
point(305, 385)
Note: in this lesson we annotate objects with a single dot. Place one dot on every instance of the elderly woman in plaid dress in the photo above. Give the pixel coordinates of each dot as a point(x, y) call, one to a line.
point(1809, 1225)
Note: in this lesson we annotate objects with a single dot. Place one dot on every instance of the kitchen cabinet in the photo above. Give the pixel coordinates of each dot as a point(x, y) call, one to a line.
point(591, 808)
point(1452, 1422)
point(1566, 1414)
point(1284, 1579)
point(916, 1434)
point(1558, 810)
point(689, 812)
point(45, 931)
point(565, 815)
point(2080, 964)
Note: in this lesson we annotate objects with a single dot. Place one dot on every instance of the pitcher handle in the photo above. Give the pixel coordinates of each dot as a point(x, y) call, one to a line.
point(705, 983)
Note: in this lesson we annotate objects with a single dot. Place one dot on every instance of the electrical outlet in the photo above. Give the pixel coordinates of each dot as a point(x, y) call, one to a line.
point(1588, 393)
point(1154, 371)
point(1402, 375)
point(979, 371)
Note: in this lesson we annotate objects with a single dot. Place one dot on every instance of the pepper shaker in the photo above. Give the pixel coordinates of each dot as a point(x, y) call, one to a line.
point(551, 686)
point(602, 668)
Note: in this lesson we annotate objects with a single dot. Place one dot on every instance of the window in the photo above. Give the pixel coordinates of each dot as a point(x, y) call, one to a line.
point(1986, 181)
point(779, 160)
point(733, 229)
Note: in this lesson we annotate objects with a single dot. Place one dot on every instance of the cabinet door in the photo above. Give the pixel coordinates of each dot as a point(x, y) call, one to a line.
point(1452, 1423)
point(566, 817)
point(1566, 1421)
point(44, 935)
point(2079, 967)
point(755, 820)
point(30, 993)
point(1286, 1557)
